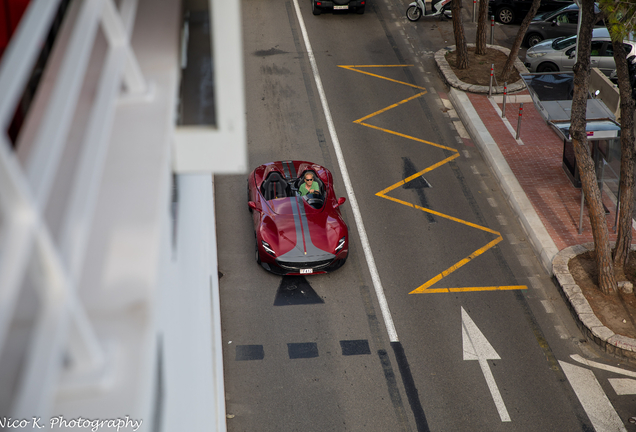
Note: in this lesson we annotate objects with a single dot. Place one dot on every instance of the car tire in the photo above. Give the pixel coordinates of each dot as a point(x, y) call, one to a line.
point(315, 9)
point(360, 10)
point(547, 67)
point(506, 15)
point(533, 39)
point(413, 13)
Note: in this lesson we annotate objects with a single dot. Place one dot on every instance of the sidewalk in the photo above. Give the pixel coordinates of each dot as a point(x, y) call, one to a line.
point(545, 201)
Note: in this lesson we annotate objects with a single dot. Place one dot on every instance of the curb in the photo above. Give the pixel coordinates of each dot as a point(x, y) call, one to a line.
point(452, 80)
point(554, 261)
point(532, 225)
point(590, 325)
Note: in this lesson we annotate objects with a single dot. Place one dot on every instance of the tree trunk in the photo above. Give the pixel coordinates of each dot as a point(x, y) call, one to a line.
point(514, 51)
point(606, 278)
point(482, 25)
point(460, 37)
point(624, 236)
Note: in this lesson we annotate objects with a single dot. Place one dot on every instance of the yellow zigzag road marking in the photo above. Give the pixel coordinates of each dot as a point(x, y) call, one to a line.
point(425, 288)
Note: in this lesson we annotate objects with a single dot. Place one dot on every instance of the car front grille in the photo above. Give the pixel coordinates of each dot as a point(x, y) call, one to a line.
point(303, 265)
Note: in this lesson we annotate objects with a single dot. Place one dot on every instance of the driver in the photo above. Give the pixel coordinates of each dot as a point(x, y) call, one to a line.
point(309, 185)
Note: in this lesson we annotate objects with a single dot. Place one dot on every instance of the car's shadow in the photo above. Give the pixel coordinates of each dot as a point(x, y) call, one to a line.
point(295, 290)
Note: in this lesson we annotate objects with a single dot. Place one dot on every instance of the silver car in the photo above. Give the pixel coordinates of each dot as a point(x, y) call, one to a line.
point(557, 55)
point(550, 25)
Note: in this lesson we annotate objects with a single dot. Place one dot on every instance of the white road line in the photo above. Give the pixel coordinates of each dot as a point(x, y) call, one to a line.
point(623, 386)
point(563, 334)
point(608, 368)
point(593, 399)
point(466, 153)
point(492, 202)
point(477, 347)
point(524, 260)
point(547, 305)
point(377, 284)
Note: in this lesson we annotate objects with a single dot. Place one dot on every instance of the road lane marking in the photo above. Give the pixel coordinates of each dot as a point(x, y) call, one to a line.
point(384, 193)
point(605, 367)
point(547, 305)
point(623, 386)
point(375, 276)
point(593, 399)
point(477, 347)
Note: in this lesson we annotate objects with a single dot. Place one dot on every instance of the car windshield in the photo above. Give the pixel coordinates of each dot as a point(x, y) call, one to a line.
point(562, 43)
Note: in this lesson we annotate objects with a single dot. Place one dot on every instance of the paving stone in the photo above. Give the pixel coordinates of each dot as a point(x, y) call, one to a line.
point(602, 332)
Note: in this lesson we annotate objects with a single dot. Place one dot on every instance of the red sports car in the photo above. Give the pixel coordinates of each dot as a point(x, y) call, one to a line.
point(298, 225)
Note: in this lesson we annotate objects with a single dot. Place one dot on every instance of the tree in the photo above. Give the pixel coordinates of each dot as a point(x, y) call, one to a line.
point(460, 38)
point(482, 23)
point(619, 18)
point(514, 51)
point(584, 162)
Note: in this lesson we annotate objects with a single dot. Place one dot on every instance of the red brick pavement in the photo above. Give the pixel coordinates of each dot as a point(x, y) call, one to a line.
point(537, 167)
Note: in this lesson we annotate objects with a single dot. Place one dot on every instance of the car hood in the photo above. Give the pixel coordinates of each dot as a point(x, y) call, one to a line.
point(542, 46)
point(300, 233)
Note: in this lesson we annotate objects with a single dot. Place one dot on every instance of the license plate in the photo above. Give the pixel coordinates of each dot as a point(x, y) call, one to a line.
point(306, 271)
point(336, 7)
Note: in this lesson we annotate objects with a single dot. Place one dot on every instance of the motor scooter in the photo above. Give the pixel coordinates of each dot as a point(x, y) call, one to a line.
point(417, 9)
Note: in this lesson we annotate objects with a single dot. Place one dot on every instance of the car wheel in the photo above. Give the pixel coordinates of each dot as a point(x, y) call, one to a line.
point(360, 10)
point(547, 67)
point(314, 9)
point(413, 13)
point(506, 15)
point(533, 39)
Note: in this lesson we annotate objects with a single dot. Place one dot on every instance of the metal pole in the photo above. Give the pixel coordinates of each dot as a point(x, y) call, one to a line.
point(474, 9)
point(618, 206)
point(492, 29)
point(492, 70)
point(519, 121)
point(503, 110)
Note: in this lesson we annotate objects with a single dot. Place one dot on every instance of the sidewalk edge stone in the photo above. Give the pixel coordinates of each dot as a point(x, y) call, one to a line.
point(612, 343)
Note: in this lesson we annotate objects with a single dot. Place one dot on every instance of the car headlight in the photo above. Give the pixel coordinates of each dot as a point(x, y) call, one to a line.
point(268, 248)
point(341, 243)
point(535, 54)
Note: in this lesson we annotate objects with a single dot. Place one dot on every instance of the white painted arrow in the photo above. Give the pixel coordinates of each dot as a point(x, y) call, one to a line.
point(477, 347)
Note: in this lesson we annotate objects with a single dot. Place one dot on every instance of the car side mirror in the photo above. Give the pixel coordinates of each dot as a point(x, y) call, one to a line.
point(341, 201)
point(555, 23)
point(255, 206)
point(572, 54)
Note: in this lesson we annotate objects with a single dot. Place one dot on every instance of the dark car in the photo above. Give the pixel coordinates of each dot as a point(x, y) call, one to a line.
point(551, 25)
point(317, 6)
point(511, 11)
point(295, 234)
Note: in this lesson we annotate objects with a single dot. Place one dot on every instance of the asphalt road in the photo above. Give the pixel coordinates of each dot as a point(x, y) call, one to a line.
point(474, 331)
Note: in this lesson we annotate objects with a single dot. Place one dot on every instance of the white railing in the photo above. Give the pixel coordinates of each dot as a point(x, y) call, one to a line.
point(25, 190)
point(101, 104)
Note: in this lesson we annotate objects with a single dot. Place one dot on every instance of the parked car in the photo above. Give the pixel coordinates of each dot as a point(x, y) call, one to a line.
point(318, 6)
point(556, 55)
point(511, 11)
point(299, 230)
point(551, 25)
